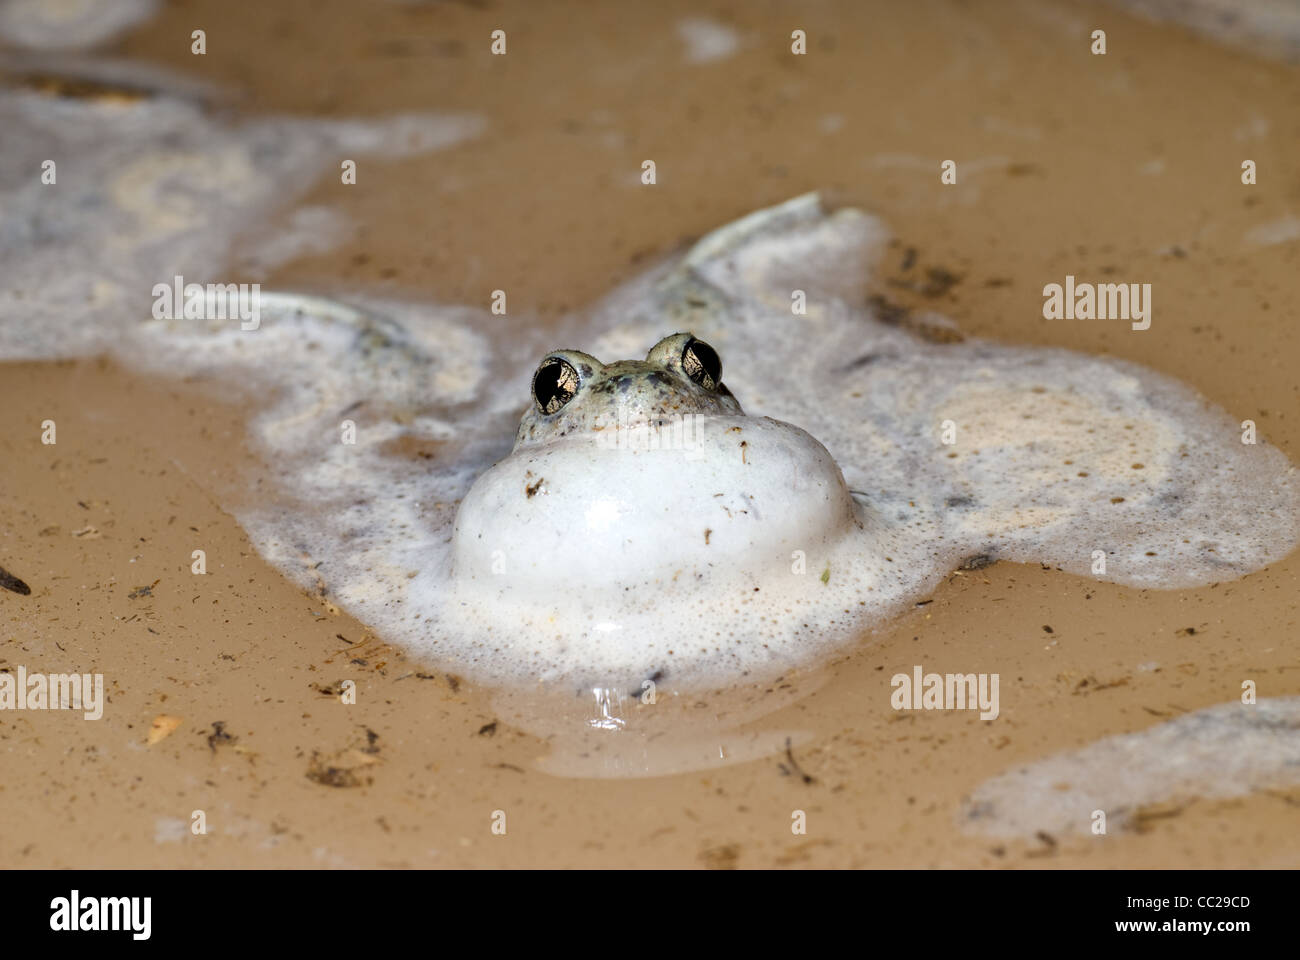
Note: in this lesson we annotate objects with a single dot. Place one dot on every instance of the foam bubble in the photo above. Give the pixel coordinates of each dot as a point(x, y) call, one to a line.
point(69, 24)
point(1058, 457)
point(1266, 28)
point(149, 187)
point(1227, 750)
point(707, 40)
point(1273, 233)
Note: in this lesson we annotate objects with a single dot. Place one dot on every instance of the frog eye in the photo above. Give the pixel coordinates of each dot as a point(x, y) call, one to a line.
point(702, 364)
point(554, 384)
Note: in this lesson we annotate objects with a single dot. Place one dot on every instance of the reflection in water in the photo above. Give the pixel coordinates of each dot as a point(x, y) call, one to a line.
point(656, 731)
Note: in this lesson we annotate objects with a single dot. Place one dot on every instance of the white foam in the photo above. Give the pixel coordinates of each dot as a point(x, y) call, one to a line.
point(1042, 469)
point(69, 24)
point(1059, 458)
point(1274, 232)
point(707, 40)
point(149, 188)
point(1227, 750)
point(1266, 28)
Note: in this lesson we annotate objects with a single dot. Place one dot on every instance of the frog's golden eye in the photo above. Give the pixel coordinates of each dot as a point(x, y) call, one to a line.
point(554, 384)
point(702, 364)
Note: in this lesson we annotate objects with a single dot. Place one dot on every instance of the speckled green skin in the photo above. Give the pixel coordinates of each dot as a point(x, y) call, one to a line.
point(626, 393)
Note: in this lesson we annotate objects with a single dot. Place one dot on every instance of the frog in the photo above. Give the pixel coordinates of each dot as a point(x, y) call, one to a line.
point(641, 505)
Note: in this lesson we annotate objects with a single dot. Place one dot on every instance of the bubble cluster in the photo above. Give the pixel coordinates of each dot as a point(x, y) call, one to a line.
point(1223, 751)
point(949, 448)
point(145, 187)
point(69, 24)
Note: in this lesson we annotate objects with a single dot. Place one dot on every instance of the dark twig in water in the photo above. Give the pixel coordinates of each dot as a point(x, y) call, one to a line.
point(794, 767)
point(654, 678)
point(10, 582)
